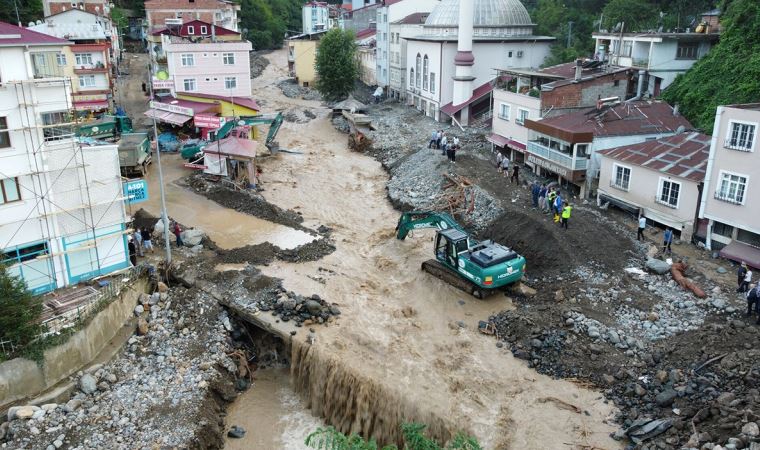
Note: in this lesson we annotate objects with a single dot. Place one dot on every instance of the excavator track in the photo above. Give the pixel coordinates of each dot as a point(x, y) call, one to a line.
point(442, 272)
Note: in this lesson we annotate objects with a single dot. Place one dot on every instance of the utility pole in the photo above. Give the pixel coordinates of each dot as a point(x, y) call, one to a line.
point(18, 18)
point(164, 216)
point(569, 32)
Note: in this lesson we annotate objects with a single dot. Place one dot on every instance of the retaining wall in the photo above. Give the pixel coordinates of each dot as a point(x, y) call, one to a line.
point(21, 378)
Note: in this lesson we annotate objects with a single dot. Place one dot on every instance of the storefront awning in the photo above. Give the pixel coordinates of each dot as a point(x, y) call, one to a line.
point(501, 141)
point(741, 252)
point(92, 105)
point(168, 117)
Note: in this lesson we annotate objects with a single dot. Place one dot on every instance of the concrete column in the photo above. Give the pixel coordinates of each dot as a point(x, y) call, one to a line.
point(464, 59)
point(708, 235)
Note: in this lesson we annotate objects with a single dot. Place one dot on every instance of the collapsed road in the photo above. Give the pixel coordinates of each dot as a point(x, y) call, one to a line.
point(590, 349)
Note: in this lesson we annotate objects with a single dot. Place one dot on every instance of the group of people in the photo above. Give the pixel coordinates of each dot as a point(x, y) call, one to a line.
point(140, 241)
point(751, 291)
point(448, 147)
point(549, 199)
point(502, 166)
point(667, 236)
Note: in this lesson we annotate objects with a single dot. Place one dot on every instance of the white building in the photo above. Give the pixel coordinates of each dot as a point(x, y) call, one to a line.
point(62, 217)
point(731, 192)
point(410, 25)
point(315, 16)
point(663, 55)
point(391, 11)
point(488, 34)
point(356, 4)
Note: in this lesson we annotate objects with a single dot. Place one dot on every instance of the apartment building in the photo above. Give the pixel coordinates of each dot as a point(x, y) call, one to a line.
point(399, 31)
point(315, 16)
point(302, 57)
point(660, 179)
point(62, 216)
point(159, 13)
point(731, 190)
point(101, 7)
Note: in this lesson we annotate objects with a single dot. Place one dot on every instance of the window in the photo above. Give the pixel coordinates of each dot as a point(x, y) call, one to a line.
point(5, 137)
point(627, 47)
point(83, 59)
point(687, 50)
point(86, 81)
point(432, 82)
point(731, 188)
point(60, 58)
point(669, 193)
point(522, 114)
point(509, 54)
point(621, 177)
point(723, 229)
point(741, 137)
point(425, 74)
point(411, 77)
point(9, 191)
point(418, 70)
point(748, 237)
point(190, 29)
point(189, 84)
point(204, 30)
point(230, 82)
point(229, 59)
point(54, 118)
point(616, 83)
point(188, 59)
point(581, 150)
point(504, 111)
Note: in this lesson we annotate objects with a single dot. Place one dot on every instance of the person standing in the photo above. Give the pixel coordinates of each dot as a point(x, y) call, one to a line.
point(456, 141)
point(433, 140)
point(667, 238)
point(557, 206)
point(438, 137)
point(550, 197)
point(444, 143)
point(146, 239)
point(178, 234)
point(137, 238)
point(453, 153)
point(132, 252)
point(740, 276)
point(515, 174)
point(642, 226)
point(566, 212)
point(535, 189)
point(542, 198)
point(505, 166)
point(747, 281)
point(499, 158)
point(753, 299)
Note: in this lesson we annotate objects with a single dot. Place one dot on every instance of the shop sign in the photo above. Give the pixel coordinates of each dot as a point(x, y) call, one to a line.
point(559, 170)
point(171, 108)
point(163, 84)
point(207, 121)
point(90, 98)
point(135, 191)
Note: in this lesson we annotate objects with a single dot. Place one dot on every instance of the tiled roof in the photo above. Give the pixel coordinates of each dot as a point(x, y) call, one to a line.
point(416, 18)
point(196, 24)
point(13, 36)
point(682, 155)
point(366, 33)
point(641, 117)
point(450, 108)
point(246, 102)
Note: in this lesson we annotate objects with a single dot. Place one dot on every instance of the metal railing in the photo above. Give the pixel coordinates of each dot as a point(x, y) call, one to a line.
point(738, 144)
point(616, 185)
point(560, 158)
point(659, 200)
point(729, 199)
point(640, 62)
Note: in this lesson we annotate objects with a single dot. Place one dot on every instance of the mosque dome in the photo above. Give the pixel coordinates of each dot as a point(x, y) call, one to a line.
point(488, 13)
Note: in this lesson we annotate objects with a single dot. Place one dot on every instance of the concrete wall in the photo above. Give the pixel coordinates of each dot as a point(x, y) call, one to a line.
point(209, 70)
point(585, 93)
point(22, 378)
point(305, 54)
point(645, 185)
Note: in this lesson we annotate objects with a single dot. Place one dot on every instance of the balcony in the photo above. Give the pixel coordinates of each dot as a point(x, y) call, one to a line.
point(90, 68)
point(742, 145)
point(642, 63)
point(563, 159)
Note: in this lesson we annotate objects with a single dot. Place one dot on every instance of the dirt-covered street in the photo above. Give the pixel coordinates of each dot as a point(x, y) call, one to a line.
point(591, 350)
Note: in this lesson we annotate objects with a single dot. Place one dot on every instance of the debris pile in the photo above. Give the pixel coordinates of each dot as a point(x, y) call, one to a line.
point(258, 64)
point(291, 89)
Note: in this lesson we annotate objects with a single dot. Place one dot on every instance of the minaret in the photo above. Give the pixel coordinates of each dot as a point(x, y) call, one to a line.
point(464, 59)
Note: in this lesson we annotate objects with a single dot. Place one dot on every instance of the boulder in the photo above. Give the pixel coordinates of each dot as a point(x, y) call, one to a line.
point(191, 238)
point(26, 412)
point(657, 266)
point(162, 287)
point(751, 429)
point(313, 306)
point(523, 289)
point(139, 309)
point(236, 432)
point(666, 397)
point(142, 327)
point(88, 384)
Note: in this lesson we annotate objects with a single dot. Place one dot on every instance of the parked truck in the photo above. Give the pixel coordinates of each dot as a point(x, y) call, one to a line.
point(106, 128)
point(134, 154)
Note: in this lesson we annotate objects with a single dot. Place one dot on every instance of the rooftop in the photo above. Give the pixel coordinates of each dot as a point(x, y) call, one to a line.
point(659, 35)
point(488, 13)
point(14, 36)
point(73, 31)
point(196, 24)
point(366, 33)
point(416, 18)
point(682, 155)
point(622, 119)
point(246, 102)
point(751, 106)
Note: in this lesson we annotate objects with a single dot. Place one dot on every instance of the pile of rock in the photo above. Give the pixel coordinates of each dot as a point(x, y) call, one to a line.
point(152, 394)
point(291, 89)
point(258, 64)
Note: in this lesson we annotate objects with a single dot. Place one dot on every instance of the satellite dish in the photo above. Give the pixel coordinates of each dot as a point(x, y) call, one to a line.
point(31, 24)
point(39, 22)
point(162, 75)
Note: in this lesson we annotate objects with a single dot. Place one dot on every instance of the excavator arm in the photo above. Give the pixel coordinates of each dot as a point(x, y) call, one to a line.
point(415, 220)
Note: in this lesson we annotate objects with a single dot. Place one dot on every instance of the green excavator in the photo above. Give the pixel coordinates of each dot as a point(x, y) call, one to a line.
point(478, 268)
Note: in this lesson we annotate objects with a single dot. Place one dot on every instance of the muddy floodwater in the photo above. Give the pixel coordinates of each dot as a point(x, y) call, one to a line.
point(272, 414)
point(227, 227)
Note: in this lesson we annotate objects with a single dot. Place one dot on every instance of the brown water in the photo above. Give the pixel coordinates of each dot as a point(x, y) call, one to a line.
point(272, 414)
point(227, 227)
point(406, 346)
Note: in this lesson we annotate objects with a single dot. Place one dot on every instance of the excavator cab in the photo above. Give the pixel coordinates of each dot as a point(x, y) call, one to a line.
point(449, 244)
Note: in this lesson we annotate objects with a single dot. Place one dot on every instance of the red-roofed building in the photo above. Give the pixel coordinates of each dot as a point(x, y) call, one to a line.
point(565, 146)
point(660, 179)
point(161, 13)
point(100, 7)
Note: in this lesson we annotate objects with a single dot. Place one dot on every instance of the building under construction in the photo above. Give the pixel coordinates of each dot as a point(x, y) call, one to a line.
point(62, 216)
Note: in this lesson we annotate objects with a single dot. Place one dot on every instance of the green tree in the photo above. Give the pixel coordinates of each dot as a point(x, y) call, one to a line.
point(19, 312)
point(28, 11)
point(337, 67)
point(729, 74)
point(414, 439)
point(637, 14)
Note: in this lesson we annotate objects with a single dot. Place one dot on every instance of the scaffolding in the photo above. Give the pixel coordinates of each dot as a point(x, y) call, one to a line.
point(74, 191)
